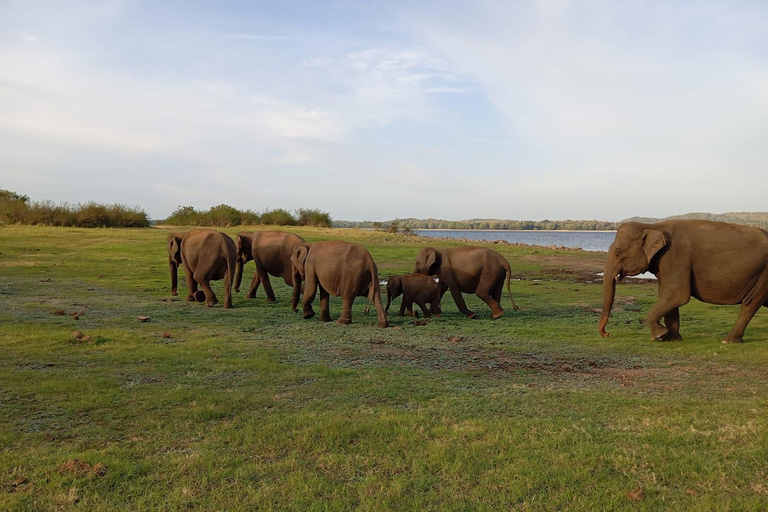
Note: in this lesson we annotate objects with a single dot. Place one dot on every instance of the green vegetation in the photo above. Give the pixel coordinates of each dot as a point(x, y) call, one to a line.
point(17, 209)
point(255, 409)
point(226, 216)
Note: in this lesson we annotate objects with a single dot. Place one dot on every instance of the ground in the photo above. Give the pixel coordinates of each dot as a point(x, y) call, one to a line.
point(255, 408)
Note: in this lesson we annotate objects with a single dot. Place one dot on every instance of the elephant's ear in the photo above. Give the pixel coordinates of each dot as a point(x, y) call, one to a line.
point(430, 259)
point(653, 241)
point(174, 246)
point(299, 256)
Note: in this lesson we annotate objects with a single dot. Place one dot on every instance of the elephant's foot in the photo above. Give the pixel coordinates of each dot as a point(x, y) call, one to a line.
point(497, 315)
point(251, 295)
point(344, 321)
point(199, 296)
point(174, 293)
point(732, 339)
point(471, 315)
point(271, 299)
point(384, 323)
point(672, 336)
point(308, 313)
point(658, 333)
point(212, 302)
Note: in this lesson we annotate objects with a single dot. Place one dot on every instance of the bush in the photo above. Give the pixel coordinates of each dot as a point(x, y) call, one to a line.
point(279, 217)
point(226, 216)
point(16, 209)
point(313, 217)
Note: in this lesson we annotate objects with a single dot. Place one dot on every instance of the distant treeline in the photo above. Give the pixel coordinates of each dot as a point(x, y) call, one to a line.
point(225, 216)
point(18, 209)
point(594, 225)
point(757, 219)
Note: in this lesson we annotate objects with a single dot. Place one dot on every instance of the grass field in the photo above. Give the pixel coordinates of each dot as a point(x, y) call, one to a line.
point(256, 409)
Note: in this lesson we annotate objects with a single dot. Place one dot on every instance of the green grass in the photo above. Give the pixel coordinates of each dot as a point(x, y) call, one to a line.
point(255, 408)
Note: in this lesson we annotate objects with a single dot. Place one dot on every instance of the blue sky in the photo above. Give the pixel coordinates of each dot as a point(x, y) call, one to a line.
point(513, 109)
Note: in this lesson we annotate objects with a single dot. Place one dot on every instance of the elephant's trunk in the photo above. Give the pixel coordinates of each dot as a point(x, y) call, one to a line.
point(389, 298)
point(238, 274)
point(298, 288)
point(174, 276)
point(609, 293)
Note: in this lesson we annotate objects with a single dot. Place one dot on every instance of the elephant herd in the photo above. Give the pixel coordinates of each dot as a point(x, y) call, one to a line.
point(715, 262)
point(337, 268)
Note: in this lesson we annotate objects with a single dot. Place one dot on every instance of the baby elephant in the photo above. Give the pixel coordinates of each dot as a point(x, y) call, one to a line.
point(207, 255)
point(418, 288)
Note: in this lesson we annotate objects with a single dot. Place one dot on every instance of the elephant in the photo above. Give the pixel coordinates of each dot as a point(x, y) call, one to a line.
point(715, 262)
point(417, 288)
point(340, 269)
point(207, 255)
point(271, 251)
point(468, 269)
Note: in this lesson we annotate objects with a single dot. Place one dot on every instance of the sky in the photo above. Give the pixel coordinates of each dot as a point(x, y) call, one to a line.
point(551, 109)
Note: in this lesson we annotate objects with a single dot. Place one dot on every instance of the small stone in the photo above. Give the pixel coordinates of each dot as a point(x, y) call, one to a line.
point(166, 335)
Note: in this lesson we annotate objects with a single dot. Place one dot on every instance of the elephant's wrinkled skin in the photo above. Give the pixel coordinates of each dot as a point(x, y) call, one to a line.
point(207, 255)
point(715, 262)
point(418, 288)
point(468, 269)
point(271, 251)
point(341, 269)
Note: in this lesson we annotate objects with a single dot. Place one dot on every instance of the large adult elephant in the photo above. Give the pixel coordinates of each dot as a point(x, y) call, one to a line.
point(207, 255)
point(715, 262)
point(271, 251)
point(341, 269)
point(469, 269)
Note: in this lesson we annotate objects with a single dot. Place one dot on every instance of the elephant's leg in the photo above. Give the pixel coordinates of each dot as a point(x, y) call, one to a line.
point(210, 297)
point(402, 306)
point(346, 310)
point(325, 310)
point(746, 313)
point(434, 307)
point(672, 322)
point(408, 301)
point(254, 284)
point(459, 300)
point(191, 284)
point(227, 290)
point(671, 296)
point(485, 293)
point(423, 307)
point(267, 286)
point(310, 290)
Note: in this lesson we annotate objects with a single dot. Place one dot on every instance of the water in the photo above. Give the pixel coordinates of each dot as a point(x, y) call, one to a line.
point(587, 240)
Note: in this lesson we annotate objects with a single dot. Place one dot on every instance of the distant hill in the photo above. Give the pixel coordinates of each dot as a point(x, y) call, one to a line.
point(758, 219)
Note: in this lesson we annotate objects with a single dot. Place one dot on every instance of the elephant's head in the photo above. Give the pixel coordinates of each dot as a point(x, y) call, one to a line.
point(428, 261)
point(174, 258)
point(394, 289)
point(244, 255)
point(630, 254)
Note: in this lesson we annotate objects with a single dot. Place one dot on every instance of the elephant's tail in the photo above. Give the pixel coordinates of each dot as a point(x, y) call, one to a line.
point(508, 270)
point(374, 295)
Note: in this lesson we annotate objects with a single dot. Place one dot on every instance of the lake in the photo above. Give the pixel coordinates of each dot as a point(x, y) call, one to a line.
point(587, 240)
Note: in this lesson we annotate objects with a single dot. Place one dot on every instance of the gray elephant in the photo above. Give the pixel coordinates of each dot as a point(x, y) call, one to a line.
point(271, 252)
point(715, 262)
point(469, 269)
point(207, 255)
point(418, 288)
point(341, 269)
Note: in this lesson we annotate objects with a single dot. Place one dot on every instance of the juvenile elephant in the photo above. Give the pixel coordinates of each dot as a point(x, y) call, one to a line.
point(271, 251)
point(715, 262)
point(468, 269)
point(418, 288)
point(340, 269)
point(207, 255)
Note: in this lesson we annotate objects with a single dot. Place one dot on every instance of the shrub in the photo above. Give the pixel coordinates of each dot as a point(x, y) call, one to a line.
point(313, 217)
point(279, 217)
